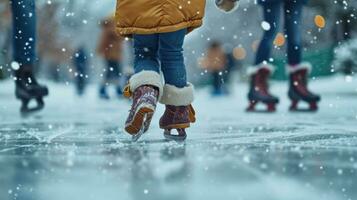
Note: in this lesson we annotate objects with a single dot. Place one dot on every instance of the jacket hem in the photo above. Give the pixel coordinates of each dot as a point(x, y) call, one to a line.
point(129, 31)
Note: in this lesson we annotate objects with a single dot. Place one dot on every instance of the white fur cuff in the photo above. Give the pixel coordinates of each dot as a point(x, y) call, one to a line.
point(254, 69)
point(292, 69)
point(175, 96)
point(146, 78)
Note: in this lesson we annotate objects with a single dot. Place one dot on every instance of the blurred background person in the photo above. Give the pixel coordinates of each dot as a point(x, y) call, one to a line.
point(80, 61)
point(110, 48)
point(298, 71)
point(54, 49)
point(216, 63)
point(24, 54)
point(343, 32)
point(344, 13)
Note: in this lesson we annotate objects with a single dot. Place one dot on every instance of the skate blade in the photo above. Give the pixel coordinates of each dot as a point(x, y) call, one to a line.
point(178, 138)
point(148, 121)
point(21, 94)
point(141, 132)
point(303, 110)
point(26, 111)
point(176, 126)
point(311, 108)
point(105, 98)
point(267, 111)
point(270, 107)
point(30, 112)
point(261, 111)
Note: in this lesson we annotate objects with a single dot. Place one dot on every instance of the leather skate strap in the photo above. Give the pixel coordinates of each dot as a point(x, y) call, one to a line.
point(192, 114)
point(127, 92)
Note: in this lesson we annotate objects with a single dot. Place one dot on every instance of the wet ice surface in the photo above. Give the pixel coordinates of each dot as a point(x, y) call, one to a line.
point(76, 149)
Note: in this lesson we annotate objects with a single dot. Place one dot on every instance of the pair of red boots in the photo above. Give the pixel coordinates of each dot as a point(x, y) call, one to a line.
point(146, 90)
point(298, 88)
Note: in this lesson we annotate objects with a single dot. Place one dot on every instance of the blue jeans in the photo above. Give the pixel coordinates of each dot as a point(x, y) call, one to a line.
point(165, 50)
point(292, 14)
point(24, 31)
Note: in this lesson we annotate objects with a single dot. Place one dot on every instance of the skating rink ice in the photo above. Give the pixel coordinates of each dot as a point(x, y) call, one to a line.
point(76, 149)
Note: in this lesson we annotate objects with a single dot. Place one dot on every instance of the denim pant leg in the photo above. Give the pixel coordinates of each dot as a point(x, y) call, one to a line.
point(24, 31)
point(292, 12)
point(272, 16)
point(217, 81)
point(146, 53)
point(171, 56)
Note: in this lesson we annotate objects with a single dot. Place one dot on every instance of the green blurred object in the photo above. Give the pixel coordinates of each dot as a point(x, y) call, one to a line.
point(321, 60)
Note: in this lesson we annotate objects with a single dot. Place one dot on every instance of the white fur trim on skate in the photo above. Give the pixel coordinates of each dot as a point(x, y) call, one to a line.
point(292, 69)
point(254, 69)
point(146, 78)
point(175, 96)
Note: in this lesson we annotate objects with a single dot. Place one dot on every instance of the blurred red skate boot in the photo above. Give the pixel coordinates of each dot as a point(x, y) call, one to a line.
point(259, 88)
point(298, 90)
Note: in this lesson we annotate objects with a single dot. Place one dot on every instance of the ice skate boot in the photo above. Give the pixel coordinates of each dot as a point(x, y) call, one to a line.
point(259, 89)
point(146, 86)
point(179, 113)
point(177, 118)
point(27, 88)
point(298, 90)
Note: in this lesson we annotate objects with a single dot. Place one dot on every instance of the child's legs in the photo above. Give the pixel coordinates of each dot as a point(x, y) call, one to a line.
point(171, 56)
point(272, 16)
point(146, 53)
point(146, 67)
point(292, 12)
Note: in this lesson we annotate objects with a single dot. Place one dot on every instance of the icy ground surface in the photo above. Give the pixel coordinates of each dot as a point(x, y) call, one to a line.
point(76, 150)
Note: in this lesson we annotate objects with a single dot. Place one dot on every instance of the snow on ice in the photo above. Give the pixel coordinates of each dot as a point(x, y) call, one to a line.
point(77, 149)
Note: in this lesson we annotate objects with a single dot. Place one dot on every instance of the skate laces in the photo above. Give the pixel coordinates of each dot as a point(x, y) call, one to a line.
point(128, 93)
point(145, 93)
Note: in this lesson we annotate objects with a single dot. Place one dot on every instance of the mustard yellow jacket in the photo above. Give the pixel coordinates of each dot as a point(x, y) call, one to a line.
point(158, 16)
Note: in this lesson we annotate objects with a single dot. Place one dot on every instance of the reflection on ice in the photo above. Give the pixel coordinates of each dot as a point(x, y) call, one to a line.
point(84, 154)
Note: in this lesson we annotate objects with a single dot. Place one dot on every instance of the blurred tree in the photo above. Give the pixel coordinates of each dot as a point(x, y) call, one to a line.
point(345, 18)
point(340, 13)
